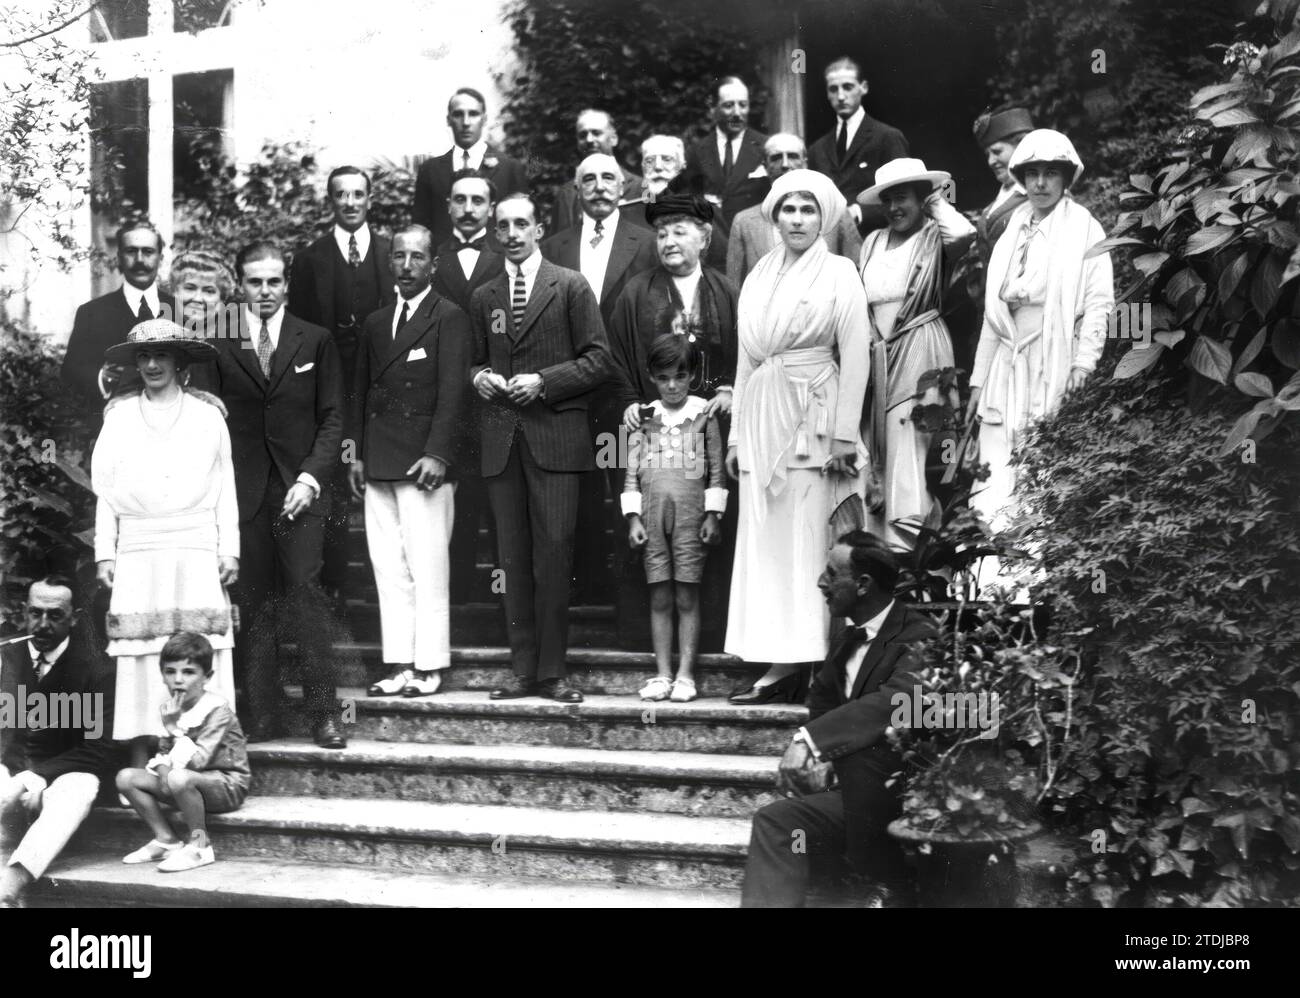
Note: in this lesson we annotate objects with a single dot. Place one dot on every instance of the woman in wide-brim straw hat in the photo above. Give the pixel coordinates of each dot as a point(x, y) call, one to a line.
point(166, 523)
point(902, 269)
point(795, 436)
point(1045, 310)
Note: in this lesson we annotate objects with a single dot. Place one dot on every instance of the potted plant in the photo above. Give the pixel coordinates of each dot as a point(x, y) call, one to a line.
point(982, 735)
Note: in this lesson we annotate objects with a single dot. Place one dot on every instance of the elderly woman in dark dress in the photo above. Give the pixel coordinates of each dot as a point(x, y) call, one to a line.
point(680, 296)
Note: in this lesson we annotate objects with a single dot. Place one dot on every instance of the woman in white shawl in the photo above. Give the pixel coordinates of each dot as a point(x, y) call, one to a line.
point(794, 444)
point(1045, 311)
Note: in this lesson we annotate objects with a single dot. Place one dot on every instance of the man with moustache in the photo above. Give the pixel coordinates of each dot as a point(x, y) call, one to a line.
point(467, 261)
point(411, 381)
point(727, 164)
point(607, 250)
point(596, 134)
point(539, 350)
point(851, 153)
point(663, 157)
point(466, 117)
point(849, 708)
point(753, 236)
point(336, 282)
point(285, 399)
point(105, 321)
point(50, 774)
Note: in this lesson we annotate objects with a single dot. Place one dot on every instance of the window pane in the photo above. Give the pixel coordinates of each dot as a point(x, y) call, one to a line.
point(119, 19)
point(200, 108)
point(119, 150)
point(196, 15)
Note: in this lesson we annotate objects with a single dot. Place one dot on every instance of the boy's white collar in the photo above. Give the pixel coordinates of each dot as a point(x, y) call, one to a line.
point(691, 408)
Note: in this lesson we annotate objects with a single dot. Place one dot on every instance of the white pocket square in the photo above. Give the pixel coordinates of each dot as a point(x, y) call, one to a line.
point(305, 367)
point(416, 354)
point(758, 174)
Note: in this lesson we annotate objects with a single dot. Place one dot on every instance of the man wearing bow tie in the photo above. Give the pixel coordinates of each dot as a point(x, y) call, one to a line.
point(468, 260)
point(336, 282)
point(50, 772)
point(849, 705)
point(858, 145)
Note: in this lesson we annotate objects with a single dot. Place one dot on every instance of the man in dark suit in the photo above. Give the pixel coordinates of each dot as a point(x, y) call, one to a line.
point(858, 146)
point(466, 116)
point(336, 282)
point(850, 705)
point(406, 407)
point(729, 160)
point(753, 235)
point(467, 261)
point(539, 350)
point(105, 321)
point(283, 389)
point(607, 250)
point(596, 134)
point(53, 761)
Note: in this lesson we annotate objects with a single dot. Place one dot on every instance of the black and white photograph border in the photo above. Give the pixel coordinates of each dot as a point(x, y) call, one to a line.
point(650, 453)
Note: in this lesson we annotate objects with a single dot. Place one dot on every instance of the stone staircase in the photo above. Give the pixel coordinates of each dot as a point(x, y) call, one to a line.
point(456, 800)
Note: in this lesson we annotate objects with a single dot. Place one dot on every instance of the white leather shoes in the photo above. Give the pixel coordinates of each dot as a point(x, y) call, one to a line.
point(423, 684)
point(392, 686)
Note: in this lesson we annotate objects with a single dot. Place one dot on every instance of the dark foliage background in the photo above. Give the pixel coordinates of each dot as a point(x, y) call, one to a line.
point(1176, 573)
point(653, 63)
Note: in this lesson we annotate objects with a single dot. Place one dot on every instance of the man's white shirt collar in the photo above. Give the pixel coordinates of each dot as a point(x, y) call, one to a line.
point(363, 240)
point(736, 143)
point(476, 153)
point(529, 266)
point(872, 627)
point(50, 657)
point(273, 324)
point(461, 240)
point(852, 123)
point(412, 306)
point(608, 225)
point(149, 294)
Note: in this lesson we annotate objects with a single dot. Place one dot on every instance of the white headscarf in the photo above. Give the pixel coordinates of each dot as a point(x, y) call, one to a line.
point(823, 190)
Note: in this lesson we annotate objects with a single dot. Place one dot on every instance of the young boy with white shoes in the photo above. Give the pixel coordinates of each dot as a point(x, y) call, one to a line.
point(202, 764)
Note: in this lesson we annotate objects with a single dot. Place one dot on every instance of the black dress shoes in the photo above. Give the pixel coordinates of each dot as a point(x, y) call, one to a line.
point(560, 691)
point(787, 690)
point(265, 729)
point(516, 688)
point(326, 734)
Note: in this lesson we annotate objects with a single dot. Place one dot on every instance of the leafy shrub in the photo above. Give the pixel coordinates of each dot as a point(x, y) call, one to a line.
point(652, 63)
point(1172, 570)
point(1218, 245)
point(46, 507)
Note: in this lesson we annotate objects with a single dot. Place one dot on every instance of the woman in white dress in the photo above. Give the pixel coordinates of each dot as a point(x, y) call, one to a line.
point(903, 273)
point(166, 524)
point(795, 440)
point(1045, 311)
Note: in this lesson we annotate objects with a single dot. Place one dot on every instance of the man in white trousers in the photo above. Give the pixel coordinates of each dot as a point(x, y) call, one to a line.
point(407, 412)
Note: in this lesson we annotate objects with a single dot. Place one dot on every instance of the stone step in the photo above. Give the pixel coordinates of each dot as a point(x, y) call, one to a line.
point(468, 717)
point(485, 624)
point(467, 840)
point(726, 786)
point(602, 671)
point(102, 880)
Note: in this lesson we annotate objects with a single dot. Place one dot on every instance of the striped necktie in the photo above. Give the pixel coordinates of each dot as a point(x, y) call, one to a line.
point(518, 298)
point(354, 254)
point(264, 351)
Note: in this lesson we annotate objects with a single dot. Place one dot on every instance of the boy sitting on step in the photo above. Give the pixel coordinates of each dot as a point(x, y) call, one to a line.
point(202, 764)
point(673, 497)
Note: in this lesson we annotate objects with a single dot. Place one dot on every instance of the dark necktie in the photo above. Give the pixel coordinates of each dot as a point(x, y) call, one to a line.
point(474, 244)
point(518, 299)
point(842, 141)
point(264, 351)
point(600, 234)
point(354, 255)
point(42, 666)
point(728, 163)
point(401, 319)
point(145, 313)
point(464, 159)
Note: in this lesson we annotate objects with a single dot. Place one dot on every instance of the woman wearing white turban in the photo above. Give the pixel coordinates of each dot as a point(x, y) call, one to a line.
point(1045, 310)
point(794, 440)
